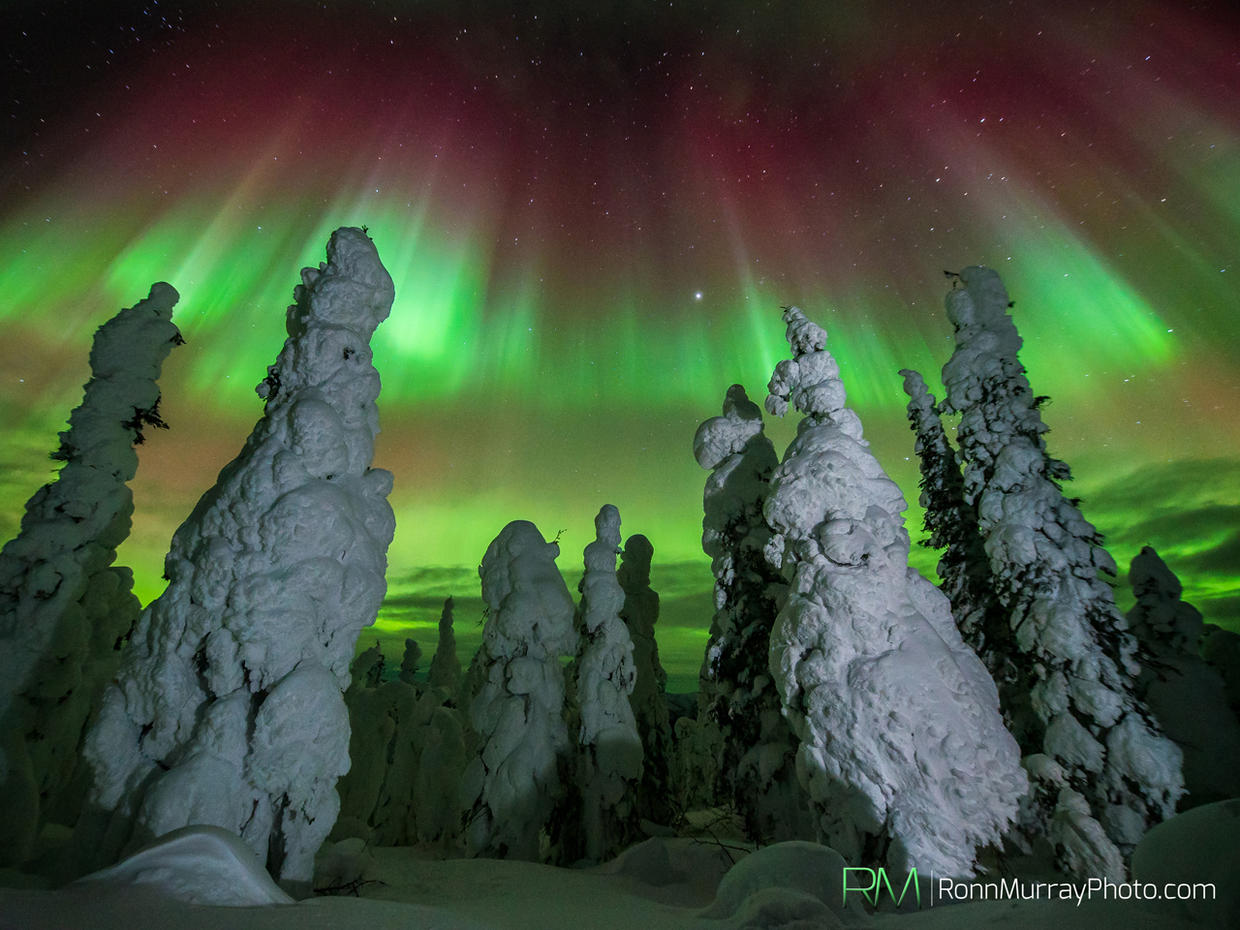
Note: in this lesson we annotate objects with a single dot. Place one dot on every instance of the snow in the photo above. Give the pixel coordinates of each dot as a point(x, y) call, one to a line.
point(898, 721)
point(1071, 650)
point(445, 670)
point(1184, 693)
point(648, 699)
point(64, 607)
point(516, 714)
point(738, 697)
point(608, 762)
point(660, 884)
point(198, 865)
point(227, 709)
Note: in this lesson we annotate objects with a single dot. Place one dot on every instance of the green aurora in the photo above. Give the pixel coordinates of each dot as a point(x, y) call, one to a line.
point(567, 312)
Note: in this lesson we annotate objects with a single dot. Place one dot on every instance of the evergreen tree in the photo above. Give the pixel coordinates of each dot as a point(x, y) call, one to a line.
point(640, 613)
point(1184, 693)
point(757, 771)
point(516, 713)
point(445, 671)
point(964, 567)
point(902, 750)
point(1102, 772)
point(65, 609)
point(608, 762)
point(228, 708)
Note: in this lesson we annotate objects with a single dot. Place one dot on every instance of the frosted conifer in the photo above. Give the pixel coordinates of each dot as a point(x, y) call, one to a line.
point(228, 708)
point(445, 671)
point(640, 613)
point(517, 712)
point(1184, 693)
point(609, 757)
point(757, 771)
point(963, 567)
point(1102, 772)
point(409, 661)
point(902, 749)
point(64, 607)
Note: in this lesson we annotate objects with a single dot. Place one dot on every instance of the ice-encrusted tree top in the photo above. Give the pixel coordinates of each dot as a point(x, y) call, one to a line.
point(901, 737)
point(1186, 695)
point(1160, 615)
point(73, 525)
point(228, 707)
point(64, 608)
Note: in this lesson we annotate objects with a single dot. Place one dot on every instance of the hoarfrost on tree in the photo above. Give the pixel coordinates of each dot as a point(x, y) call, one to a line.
point(963, 566)
point(901, 742)
point(65, 609)
point(1102, 772)
point(1185, 694)
point(608, 763)
point(757, 770)
point(407, 756)
point(445, 671)
point(409, 661)
point(516, 714)
point(228, 708)
point(640, 613)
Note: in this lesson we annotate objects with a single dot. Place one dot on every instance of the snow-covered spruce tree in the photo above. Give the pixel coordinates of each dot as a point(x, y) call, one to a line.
point(409, 661)
point(64, 607)
point(964, 568)
point(445, 671)
point(640, 613)
point(757, 770)
point(228, 709)
point(1184, 693)
point(516, 713)
point(608, 762)
point(902, 750)
point(1221, 650)
point(1102, 773)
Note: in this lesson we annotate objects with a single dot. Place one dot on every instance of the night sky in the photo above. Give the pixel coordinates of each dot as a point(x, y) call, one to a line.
point(592, 213)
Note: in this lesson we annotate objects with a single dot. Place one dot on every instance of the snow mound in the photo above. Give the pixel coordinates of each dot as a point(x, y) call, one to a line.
point(199, 865)
point(1197, 846)
point(791, 884)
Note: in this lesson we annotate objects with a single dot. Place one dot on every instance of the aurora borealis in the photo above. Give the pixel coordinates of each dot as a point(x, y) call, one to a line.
point(592, 219)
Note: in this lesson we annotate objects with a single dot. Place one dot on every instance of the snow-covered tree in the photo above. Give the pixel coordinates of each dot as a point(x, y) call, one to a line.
point(1185, 694)
point(64, 607)
point(1102, 772)
point(1221, 650)
point(737, 694)
point(445, 671)
point(963, 567)
point(640, 613)
point(409, 661)
point(902, 749)
point(380, 752)
point(516, 713)
point(227, 709)
point(608, 762)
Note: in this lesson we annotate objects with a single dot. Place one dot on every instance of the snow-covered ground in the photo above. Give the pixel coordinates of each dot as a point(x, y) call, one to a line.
point(662, 884)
